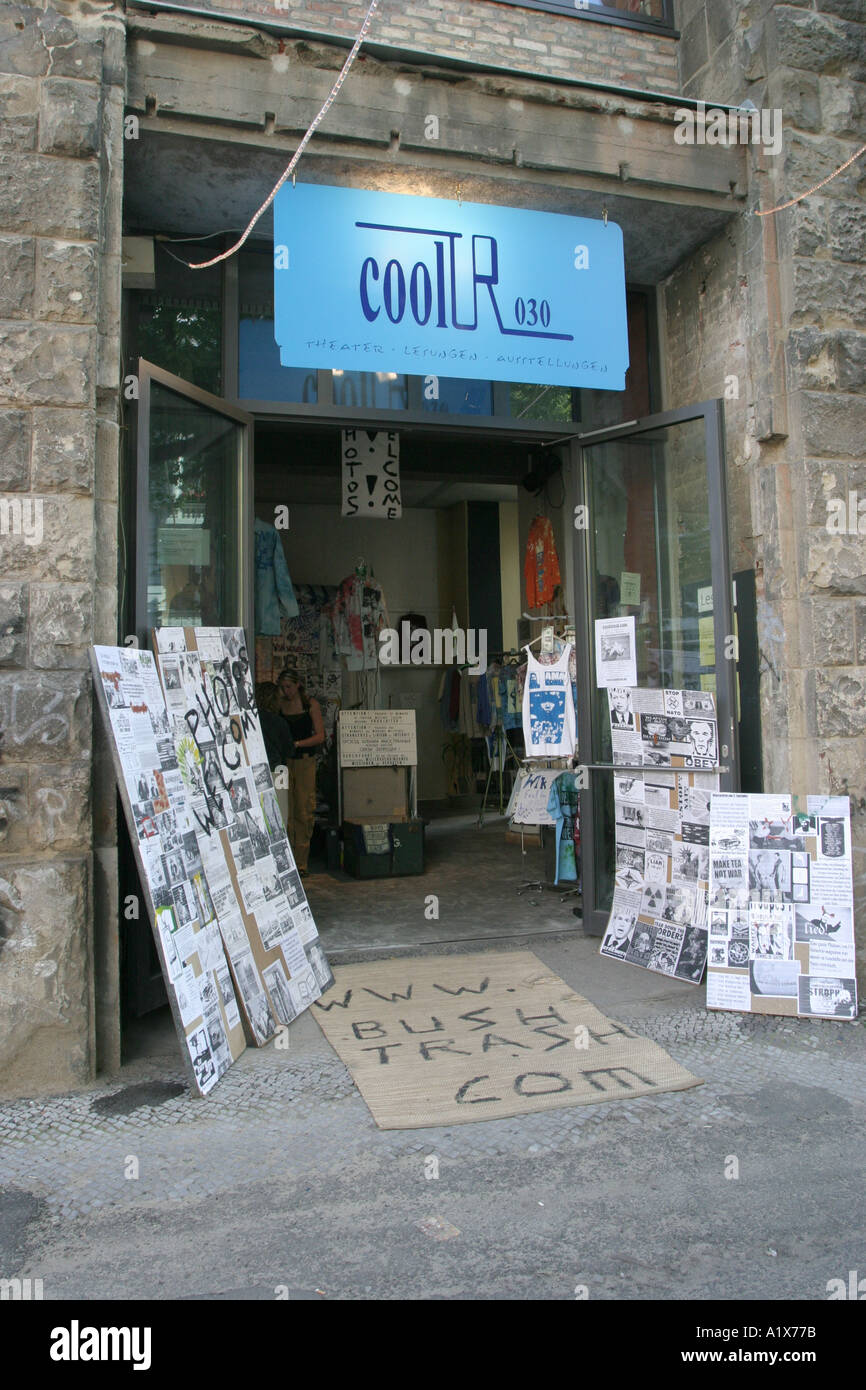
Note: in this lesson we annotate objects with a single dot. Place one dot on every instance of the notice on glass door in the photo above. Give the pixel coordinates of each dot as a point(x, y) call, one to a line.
point(615, 652)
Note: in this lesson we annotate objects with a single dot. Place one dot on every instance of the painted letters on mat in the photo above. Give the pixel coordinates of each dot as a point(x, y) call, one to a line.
point(439, 1040)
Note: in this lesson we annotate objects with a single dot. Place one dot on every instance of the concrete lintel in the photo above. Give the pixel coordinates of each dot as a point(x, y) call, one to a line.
point(494, 119)
point(183, 186)
point(192, 31)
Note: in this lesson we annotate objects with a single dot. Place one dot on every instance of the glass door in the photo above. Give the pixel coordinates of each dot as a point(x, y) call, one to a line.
point(194, 511)
point(656, 547)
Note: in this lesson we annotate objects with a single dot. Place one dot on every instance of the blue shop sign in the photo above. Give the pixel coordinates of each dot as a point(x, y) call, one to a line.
point(385, 282)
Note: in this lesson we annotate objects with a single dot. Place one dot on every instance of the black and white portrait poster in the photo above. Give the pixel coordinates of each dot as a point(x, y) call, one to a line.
point(662, 821)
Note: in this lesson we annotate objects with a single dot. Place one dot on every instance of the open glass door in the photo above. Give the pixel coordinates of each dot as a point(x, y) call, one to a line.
point(656, 512)
point(194, 509)
point(193, 561)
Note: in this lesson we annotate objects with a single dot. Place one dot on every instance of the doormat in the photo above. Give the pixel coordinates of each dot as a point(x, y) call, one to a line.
point(442, 1040)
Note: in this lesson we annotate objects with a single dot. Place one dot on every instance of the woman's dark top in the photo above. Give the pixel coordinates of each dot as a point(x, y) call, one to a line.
point(277, 734)
point(301, 726)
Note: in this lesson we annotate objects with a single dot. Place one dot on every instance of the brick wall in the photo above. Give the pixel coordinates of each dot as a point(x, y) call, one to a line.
point(482, 31)
point(61, 95)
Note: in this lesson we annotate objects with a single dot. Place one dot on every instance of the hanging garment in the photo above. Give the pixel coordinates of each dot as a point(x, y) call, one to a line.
point(541, 565)
point(468, 723)
point(512, 716)
point(548, 709)
point(548, 660)
point(563, 804)
point(448, 705)
point(359, 615)
point(273, 586)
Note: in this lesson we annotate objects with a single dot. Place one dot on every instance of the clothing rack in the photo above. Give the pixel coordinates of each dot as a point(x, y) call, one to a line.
point(504, 747)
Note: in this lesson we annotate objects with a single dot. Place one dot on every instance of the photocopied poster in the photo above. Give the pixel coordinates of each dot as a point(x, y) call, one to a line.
point(781, 906)
point(261, 908)
point(371, 474)
point(615, 652)
point(177, 897)
point(658, 918)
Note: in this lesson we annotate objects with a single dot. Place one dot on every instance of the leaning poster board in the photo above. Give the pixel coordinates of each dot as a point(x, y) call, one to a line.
point(781, 906)
point(658, 918)
point(264, 917)
point(177, 896)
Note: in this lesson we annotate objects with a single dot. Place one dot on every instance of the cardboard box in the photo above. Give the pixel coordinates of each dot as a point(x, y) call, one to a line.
point(375, 794)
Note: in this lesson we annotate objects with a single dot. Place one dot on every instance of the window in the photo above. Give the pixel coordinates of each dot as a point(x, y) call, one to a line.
point(638, 14)
point(178, 325)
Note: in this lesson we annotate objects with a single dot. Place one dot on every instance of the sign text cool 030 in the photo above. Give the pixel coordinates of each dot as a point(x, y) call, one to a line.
point(385, 282)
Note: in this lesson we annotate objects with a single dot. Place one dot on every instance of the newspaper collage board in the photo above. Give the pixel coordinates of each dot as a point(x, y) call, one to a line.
point(232, 926)
point(781, 906)
point(659, 914)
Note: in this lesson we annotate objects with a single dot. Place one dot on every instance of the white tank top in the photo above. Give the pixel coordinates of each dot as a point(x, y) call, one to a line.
point(548, 709)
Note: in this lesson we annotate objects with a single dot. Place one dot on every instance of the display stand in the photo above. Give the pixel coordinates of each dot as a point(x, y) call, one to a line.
point(377, 751)
point(528, 806)
point(504, 747)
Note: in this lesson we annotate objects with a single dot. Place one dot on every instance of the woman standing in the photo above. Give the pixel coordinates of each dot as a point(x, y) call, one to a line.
point(304, 716)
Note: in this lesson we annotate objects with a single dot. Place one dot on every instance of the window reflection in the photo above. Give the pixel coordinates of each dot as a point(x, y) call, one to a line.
point(371, 390)
point(192, 479)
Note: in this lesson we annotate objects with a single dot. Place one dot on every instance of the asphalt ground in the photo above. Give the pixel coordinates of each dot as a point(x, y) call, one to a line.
point(280, 1185)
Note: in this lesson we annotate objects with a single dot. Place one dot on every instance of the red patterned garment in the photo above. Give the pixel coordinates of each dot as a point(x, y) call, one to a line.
point(541, 566)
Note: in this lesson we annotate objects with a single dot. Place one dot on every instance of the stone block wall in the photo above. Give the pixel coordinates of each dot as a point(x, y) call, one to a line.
point(61, 127)
point(780, 303)
point(484, 31)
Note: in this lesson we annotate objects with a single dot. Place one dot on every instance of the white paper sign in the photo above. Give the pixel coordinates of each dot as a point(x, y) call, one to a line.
point(377, 738)
point(530, 804)
point(615, 654)
point(629, 589)
point(371, 474)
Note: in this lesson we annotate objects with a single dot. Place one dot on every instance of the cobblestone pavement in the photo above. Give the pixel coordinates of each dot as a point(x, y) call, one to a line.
point(286, 1154)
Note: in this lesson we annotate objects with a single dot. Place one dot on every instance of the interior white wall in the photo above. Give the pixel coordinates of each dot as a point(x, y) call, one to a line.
point(323, 548)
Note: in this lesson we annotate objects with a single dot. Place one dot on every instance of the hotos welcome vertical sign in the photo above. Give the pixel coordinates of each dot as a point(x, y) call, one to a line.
point(384, 282)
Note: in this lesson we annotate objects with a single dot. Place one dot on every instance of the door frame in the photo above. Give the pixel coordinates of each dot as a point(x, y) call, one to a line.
point(595, 919)
point(148, 373)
